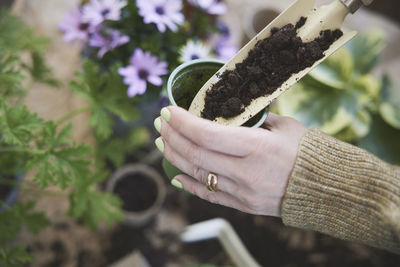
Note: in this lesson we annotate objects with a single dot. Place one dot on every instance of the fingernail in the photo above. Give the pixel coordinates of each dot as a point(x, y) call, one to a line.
point(166, 114)
point(157, 124)
point(159, 144)
point(176, 183)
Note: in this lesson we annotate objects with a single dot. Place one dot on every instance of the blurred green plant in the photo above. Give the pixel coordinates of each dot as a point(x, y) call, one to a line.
point(343, 98)
point(45, 147)
point(30, 143)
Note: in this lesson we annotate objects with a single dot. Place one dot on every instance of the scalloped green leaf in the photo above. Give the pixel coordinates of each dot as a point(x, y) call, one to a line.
point(366, 49)
point(336, 70)
point(358, 128)
point(324, 108)
point(18, 124)
point(389, 108)
point(368, 88)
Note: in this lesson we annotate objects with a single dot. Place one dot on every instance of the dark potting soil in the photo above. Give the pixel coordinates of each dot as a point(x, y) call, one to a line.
point(270, 63)
point(137, 192)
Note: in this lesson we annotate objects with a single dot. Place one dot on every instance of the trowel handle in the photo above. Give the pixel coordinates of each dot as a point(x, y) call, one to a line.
point(354, 5)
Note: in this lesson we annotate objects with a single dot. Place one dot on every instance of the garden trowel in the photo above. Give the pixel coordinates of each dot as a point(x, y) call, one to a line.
point(327, 17)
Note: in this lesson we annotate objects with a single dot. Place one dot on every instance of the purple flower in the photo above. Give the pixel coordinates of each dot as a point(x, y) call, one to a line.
point(164, 13)
point(213, 7)
point(143, 68)
point(107, 40)
point(225, 50)
point(97, 11)
point(194, 50)
point(74, 28)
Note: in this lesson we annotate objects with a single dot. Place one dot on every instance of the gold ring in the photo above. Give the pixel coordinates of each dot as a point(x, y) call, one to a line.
point(212, 182)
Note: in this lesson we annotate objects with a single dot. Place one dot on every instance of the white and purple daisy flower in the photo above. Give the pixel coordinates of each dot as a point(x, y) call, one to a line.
point(97, 11)
point(107, 40)
point(164, 13)
point(213, 7)
point(74, 28)
point(194, 50)
point(143, 68)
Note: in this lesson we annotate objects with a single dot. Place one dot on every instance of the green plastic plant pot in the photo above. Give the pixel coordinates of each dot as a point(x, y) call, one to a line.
point(184, 83)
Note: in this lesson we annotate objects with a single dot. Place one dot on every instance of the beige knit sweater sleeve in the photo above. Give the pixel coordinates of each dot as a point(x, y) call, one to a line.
point(343, 191)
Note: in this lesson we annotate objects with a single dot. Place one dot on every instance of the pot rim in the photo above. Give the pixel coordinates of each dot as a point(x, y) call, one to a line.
point(184, 66)
point(199, 61)
point(140, 217)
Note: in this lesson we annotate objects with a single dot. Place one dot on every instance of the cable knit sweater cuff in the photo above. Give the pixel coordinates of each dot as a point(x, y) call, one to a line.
point(343, 191)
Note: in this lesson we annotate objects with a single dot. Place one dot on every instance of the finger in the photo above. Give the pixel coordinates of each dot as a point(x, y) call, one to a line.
point(200, 190)
point(224, 183)
point(216, 162)
point(231, 140)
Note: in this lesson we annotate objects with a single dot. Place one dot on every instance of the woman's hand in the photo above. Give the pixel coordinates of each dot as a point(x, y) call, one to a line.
point(253, 165)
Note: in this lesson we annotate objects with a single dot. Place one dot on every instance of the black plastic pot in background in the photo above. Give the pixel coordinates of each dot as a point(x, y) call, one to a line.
point(142, 190)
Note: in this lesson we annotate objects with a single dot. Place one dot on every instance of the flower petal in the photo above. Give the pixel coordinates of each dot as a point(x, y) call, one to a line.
point(156, 80)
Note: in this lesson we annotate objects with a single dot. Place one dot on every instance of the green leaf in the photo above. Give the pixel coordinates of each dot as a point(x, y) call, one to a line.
point(366, 49)
point(117, 148)
point(389, 108)
point(101, 122)
point(367, 87)
point(18, 124)
point(63, 161)
point(106, 94)
point(16, 36)
point(358, 128)
point(319, 106)
point(114, 150)
point(383, 141)
point(10, 77)
point(11, 221)
point(40, 71)
point(14, 256)
point(336, 70)
point(94, 207)
point(13, 218)
point(391, 114)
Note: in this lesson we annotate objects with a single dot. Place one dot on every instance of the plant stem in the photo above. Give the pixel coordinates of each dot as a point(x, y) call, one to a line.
point(22, 149)
point(73, 113)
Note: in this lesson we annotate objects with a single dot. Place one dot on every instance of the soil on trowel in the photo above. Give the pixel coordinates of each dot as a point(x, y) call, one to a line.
point(270, 63)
